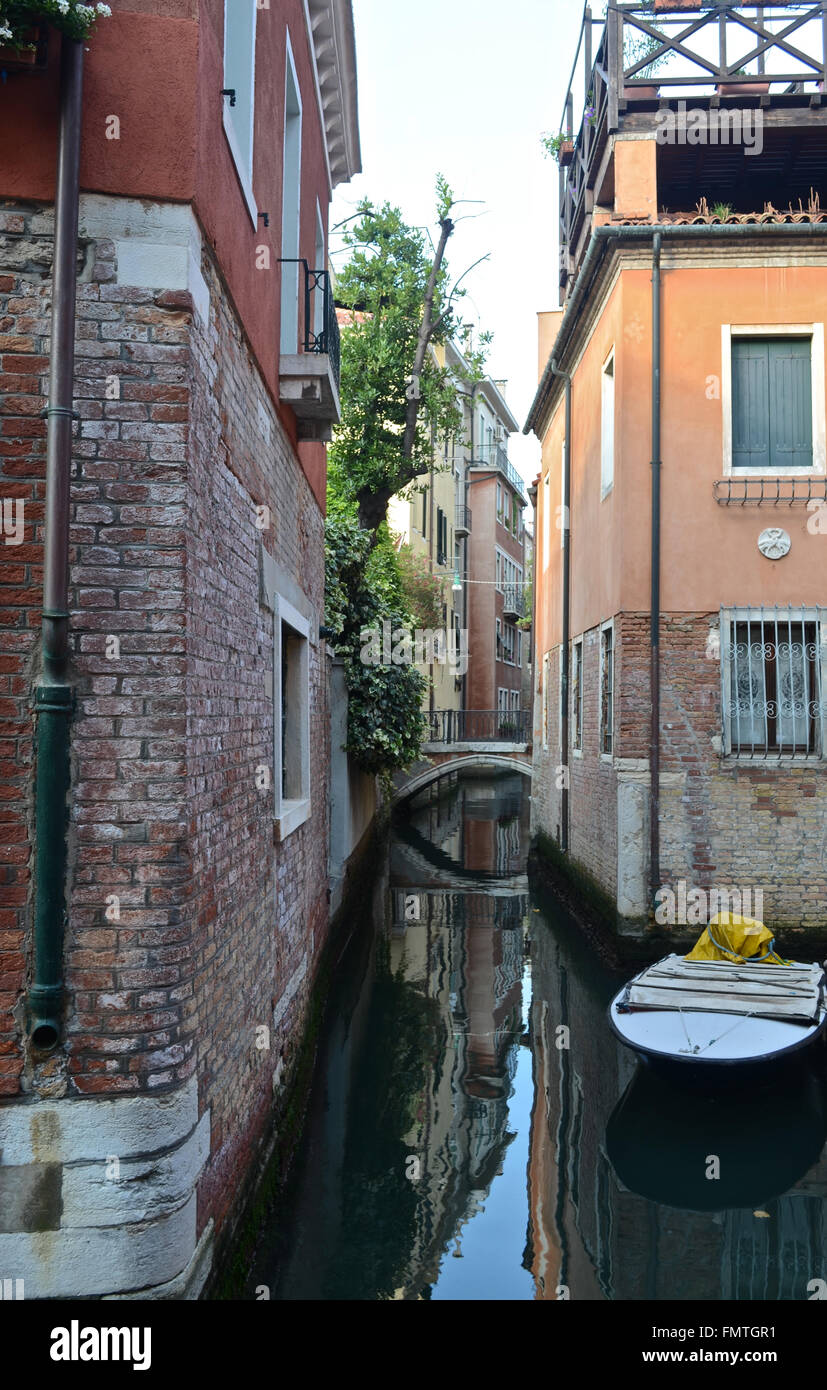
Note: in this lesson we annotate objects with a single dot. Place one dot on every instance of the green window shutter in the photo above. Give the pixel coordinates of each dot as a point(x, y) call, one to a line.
point(772, 403)
point(791, 403)
point(750, 403)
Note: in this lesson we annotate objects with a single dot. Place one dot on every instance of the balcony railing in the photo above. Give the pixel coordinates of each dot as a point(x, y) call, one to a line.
point(462, 524)
point(707, 50)
point(479, 726)
point(321, 325)
point(496, 457)
point(514, 601)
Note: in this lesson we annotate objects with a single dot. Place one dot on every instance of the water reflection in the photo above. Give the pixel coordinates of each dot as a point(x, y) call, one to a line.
point(475, 1130)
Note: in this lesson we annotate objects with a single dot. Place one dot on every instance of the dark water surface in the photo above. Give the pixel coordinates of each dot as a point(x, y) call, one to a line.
point(475, 1131)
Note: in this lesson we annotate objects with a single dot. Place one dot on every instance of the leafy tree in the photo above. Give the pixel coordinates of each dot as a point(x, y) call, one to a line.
point(396, 401)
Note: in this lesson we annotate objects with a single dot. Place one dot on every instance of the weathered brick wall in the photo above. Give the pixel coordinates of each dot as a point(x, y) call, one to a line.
point(725, 823)
point(260, 911)
point(215, 930)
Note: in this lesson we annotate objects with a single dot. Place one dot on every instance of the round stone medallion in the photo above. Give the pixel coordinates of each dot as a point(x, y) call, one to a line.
point(774, 543)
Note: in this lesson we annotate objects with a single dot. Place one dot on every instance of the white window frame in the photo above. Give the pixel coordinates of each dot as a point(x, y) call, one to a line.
point(291, 813)
point(729, 618)
point(607, 425)
point(814, 331)
point(577, 749)
point(245, 175)
point(607, 627)
point(318, 294)
point(289, 326)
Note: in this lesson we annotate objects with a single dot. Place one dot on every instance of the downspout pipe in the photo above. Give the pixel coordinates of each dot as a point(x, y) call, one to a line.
point(654, 673)
point(565, 603)
point(54, 694)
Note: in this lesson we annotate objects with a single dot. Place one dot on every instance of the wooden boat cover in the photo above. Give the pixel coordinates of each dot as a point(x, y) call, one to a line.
point(793, 992)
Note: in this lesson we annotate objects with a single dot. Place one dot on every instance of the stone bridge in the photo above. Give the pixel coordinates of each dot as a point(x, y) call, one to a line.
point(464, 739)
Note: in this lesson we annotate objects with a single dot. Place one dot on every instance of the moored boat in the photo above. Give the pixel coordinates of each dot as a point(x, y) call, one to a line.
point(719, 1015)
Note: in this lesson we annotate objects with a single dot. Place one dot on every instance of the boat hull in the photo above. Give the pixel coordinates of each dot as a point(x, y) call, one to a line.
point(716, 1049)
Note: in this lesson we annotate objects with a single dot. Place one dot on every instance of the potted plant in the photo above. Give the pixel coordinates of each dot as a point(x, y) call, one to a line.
point(559, 147)
point(22, 31)
point(757, 88)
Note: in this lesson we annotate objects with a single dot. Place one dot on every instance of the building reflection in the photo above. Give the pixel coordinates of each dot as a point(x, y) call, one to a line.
point(465, 949)
point(620, 1204)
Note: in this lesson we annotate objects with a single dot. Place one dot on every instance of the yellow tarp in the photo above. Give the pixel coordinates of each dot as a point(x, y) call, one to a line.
point(737, 939)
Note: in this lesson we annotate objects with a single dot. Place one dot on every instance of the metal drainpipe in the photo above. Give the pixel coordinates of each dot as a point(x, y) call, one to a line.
point(657, 466)
point(54, 695)
point(566, 614)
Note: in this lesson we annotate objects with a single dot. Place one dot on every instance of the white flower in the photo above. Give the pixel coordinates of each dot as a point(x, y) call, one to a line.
point(104, 10)
point(5, 32)
point(63, 6)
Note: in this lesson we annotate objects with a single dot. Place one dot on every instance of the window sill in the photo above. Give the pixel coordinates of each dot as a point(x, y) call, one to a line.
point(292, 815)
point(577, 752)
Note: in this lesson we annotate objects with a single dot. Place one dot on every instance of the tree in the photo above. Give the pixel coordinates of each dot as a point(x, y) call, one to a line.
point(396, 399)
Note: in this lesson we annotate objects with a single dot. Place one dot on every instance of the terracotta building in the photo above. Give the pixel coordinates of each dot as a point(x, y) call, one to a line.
point(152, 994)
point(497, 590)
point(681, 631)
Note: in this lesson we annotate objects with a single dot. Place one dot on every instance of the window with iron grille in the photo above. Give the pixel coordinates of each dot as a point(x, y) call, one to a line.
point(577, 696)
point(772, 666)
point(607, 690)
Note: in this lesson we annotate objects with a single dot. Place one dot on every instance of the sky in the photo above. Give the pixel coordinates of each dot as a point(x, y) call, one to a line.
point(466, 88)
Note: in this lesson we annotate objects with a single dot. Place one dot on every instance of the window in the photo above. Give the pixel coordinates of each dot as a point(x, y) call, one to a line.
point(320, 263)
point(515, 515)
point(772, 403)
point(773, 399)
point(607, 428)
point(499, 640)
point(292, 717)
point(772, 666)
point(545, 700)
point(240, 78)
point(607, 680)
point(291, 207)
point(441, 537)
point(577, 696)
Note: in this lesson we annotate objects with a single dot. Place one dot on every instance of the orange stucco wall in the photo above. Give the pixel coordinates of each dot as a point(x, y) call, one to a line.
point(710, 552)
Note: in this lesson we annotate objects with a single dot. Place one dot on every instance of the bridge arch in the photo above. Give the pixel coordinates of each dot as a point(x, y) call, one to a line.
point(500, 762)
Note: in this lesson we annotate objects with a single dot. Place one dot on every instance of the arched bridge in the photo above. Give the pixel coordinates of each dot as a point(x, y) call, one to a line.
point(460, 739)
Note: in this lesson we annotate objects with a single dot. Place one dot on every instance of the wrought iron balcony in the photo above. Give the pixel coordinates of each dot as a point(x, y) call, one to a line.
point(497, 458)
point(767, 52)
point(514, 601)
point(462, 524)
point(479, 726)
point(309, 378)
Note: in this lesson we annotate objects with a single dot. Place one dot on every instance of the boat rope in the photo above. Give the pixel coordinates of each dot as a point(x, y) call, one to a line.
point(720, 1036)
point(692, 1048)
point(749, 960)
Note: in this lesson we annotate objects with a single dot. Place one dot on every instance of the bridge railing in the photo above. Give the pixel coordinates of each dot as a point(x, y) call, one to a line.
point(479, 726)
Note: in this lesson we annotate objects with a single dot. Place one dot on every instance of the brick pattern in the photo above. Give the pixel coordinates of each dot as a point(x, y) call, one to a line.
point(724, 823)
point(172, 657)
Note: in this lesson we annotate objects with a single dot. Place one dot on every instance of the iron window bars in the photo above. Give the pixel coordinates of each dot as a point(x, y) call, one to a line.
point(773, 681)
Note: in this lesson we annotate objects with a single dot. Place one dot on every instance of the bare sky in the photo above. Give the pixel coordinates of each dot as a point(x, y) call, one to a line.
point(466, 88)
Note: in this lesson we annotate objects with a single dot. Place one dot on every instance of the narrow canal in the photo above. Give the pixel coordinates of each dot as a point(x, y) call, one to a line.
point(475, 1132)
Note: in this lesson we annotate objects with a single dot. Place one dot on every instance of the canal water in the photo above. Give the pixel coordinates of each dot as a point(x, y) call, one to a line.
point(476, 1132)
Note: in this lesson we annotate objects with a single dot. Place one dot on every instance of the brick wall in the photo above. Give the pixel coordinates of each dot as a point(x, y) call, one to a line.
point(725, 823)
point(215, 930)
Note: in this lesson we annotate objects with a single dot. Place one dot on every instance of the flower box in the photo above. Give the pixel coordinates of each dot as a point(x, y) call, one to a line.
point(640, 93)
point(14, 59)
point(566, 154)
point(743, 89)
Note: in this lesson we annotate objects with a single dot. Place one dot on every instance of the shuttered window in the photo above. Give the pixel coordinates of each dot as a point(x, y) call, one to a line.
point(772, 403)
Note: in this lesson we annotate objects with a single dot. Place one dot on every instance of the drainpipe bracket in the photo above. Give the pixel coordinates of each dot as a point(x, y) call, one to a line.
point(59, 699)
